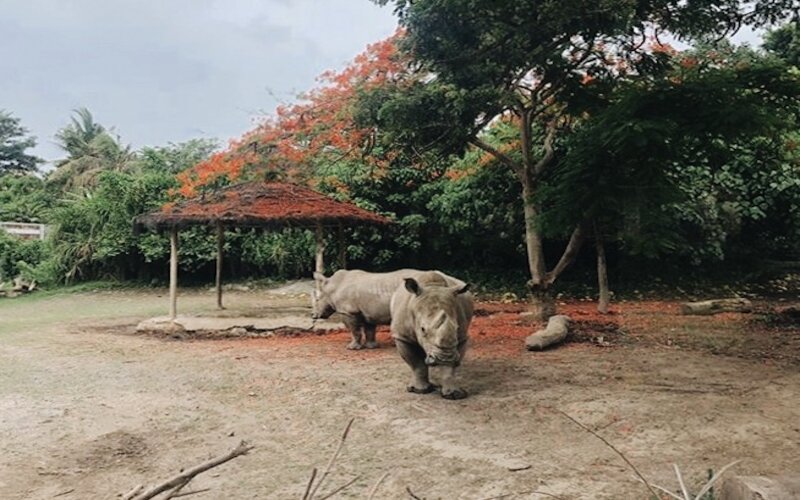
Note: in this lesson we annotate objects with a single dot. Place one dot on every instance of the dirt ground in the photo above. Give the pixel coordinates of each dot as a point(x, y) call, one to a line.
point(89, 408)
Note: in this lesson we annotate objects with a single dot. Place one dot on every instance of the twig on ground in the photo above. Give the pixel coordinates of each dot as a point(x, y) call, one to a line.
point(332, 460)
point(411, 493)
point(129, 495)
point(193, 492)
point(622, 455)
point(64, 493)
point(377, 485)
point(310, 483)
point(531, 492)
point(177, 490)
point(341, 488)
point(183, 478)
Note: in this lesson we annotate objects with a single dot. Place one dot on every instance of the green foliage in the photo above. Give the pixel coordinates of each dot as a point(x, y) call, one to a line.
point(175, 158)
point(14, 142)
point(679, 163)
point(16, 253)
point(23, 198)
point(91, 150)
point(784, 42)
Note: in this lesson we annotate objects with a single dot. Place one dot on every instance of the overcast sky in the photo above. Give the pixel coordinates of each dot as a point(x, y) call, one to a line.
point(164, 71)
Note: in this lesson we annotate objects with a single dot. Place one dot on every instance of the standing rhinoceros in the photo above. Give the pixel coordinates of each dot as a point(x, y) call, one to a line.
point(430, 319)
point(362, 299)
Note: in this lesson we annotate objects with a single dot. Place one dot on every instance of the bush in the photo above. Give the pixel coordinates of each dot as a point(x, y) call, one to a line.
point(18, 255)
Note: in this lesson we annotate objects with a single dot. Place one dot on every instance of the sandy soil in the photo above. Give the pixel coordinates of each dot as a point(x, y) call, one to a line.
point(90, 409)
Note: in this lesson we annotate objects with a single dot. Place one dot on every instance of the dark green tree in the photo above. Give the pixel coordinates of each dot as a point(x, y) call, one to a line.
point(540, 66)
point(14, 142)
point(784, 42)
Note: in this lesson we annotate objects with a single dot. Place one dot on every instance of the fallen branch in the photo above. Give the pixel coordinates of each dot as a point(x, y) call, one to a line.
point(716, 306)
point(135, 491)
point(556, 331)
point(310, 483)
point(411, 493)
point(622, 455)
point(183, 478)
point(331, 461)
point(531, 492)
point(377, 485)
point(341, 488)
point(193, 492)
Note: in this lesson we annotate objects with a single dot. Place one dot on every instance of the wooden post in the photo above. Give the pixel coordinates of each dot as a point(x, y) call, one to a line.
point(173, 273)
point(320, 262)
point(342, 249)
point(220, 243)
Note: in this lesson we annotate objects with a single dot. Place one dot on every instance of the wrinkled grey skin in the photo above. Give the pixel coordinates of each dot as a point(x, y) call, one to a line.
point(362, 299)
point(430, 320)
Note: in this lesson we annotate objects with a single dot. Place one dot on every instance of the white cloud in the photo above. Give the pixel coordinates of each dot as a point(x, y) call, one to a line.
point(171, 70)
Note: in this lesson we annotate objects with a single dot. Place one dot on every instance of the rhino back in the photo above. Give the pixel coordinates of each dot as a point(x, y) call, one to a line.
point(368, 294)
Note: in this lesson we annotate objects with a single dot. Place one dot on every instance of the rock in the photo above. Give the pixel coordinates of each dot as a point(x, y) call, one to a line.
point(238, 331)
point(760, 488)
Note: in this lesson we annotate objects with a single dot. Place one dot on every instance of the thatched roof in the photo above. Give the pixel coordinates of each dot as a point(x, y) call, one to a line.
point(260, 204)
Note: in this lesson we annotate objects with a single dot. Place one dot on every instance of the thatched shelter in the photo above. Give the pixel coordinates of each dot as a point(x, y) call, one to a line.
point(270, 205)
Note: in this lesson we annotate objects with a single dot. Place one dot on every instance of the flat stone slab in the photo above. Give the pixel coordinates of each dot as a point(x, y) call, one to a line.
point(761, 488)
point(235, 324)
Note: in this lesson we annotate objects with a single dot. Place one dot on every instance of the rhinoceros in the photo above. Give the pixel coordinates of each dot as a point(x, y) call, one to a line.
point(362, 298)
point(430, 321)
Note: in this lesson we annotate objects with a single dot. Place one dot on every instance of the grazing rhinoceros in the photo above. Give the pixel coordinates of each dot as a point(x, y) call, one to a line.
point(362, 299)
point(430, 319)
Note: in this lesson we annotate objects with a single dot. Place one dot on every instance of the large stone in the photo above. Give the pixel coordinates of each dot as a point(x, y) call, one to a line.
point(761, 488)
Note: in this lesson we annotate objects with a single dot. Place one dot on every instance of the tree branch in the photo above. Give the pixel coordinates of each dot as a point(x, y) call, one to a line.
point(184, 477)
point(515, 166)
point(548, 150)
point(574, 245)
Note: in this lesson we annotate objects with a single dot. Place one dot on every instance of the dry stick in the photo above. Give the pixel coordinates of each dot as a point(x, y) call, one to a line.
point(411, 493)
point(193, 492)
point(177, 489)
point(622, 455)
point(531, 492)
point(332, 459)
point(242, 449)
point(377, 485)
point(341, 488)
point(129, 495)
point(310, 482)
point(63, 493)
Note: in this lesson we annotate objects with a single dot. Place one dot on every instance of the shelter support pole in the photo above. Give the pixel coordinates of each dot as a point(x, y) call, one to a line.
point(220, 243)
point(173, 273)
point(320, 262)
point(342, 249)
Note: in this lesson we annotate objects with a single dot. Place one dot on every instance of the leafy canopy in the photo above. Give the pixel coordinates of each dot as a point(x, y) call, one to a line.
point(14, 142)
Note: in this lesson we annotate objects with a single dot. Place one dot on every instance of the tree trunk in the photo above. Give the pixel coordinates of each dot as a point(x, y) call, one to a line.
point(218, 280)
point(173, 273)
point(543, 303)
point(602, 273)
point(319, 265)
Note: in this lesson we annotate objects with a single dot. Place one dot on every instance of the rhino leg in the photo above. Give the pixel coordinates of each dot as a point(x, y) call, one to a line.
point(446, 376)
point(415, 357)
point(369, 333)
point(354, 323)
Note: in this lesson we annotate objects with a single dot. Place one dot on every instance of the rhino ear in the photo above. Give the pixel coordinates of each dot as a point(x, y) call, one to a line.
point(412, 286)
point(458, 290)
point(320, 277)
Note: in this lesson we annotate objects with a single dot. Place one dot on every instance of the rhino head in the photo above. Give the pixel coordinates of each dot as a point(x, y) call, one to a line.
point(321, 298)
point(436, 321)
